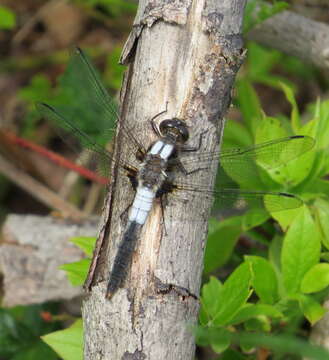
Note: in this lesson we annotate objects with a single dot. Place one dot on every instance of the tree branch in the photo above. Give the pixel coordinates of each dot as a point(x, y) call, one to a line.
point(295, 35)
point(184, 53)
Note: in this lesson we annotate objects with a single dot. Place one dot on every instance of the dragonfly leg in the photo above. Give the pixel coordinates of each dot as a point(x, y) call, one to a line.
point(154, 125)
point(162, 214)
point(195, 148)
point(185, 172)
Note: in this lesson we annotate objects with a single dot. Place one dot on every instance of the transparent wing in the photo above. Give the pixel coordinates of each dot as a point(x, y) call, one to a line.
point(243, 199)
point(98, 97)
point(270, 154)
point(98, 152)
point(85, 110)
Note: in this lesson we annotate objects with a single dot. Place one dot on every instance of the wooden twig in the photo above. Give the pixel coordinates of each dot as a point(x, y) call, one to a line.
point(184, 54)
point(295, 35)
point(39, 191)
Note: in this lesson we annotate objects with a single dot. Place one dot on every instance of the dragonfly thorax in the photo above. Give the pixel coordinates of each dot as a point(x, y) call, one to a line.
point(152, 171)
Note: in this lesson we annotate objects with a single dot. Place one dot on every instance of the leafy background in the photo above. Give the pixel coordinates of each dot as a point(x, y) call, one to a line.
point(265, 277)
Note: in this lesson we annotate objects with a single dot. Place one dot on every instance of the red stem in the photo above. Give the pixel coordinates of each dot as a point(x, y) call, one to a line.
point(57, 159)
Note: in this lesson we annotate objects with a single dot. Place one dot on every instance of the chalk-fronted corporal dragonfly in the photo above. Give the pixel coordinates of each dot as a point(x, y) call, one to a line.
point(157, 164)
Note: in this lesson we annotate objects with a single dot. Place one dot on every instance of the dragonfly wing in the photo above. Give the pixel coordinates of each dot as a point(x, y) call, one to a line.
point(270, 154)
point(98, 97)
point(96, 150)
point(244, 199)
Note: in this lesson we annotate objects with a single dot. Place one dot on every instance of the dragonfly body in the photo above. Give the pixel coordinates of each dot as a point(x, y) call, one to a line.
point(151, 177)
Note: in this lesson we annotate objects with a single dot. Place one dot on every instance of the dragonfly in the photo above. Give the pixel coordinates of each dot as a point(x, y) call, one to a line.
point(165, 166)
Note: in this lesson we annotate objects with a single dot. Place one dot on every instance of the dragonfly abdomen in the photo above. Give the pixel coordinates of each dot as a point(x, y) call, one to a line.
point(123, 258)
point(142, 205)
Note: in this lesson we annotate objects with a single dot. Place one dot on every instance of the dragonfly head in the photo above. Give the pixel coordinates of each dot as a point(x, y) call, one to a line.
point(175, 130)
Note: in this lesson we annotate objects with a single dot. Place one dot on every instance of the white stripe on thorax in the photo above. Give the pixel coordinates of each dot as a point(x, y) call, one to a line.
point(162, 149)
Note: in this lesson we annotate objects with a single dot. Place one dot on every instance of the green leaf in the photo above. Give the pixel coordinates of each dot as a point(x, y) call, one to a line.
point(301, 251)
point(257, 11)
point(38, 89)
point(312, 310)
point(235, 135)
point(7, 18)
point(231, 354)
point(85, 243)
point(285, 218)
point(264, 279)
point(321, 209)
point(218, 338)
point(234, 294)
point(77, 271)
point(260, 323)
point(222, 342)
point(269, 128)
point(114, 71)
point(255, 310)
point(283, 344)
point(67, 343)
point(36, 351)
point(253, 218)
point(316, 279)
point(295, 118)
point(210, 299)
point(249, 104)
point(222, 238)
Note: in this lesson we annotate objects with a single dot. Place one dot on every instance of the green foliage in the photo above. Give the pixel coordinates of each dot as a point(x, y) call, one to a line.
point(287, 279)
point(258, 11)
point(67, 343)
point(114, 71)
point(7, 18)
point(20, 330)
point(38, 89)
point(77, 271)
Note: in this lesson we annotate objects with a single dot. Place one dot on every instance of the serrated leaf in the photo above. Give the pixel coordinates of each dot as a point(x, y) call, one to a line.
point(264, 279)
point(67, 343)
point(316, 279)
point(301, 251)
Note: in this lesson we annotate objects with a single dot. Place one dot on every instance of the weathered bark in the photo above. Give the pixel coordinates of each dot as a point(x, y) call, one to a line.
point(295, 35)
point(185, 53)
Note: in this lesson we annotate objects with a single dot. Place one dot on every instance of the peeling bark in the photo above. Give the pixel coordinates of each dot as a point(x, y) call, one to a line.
point(184, 54)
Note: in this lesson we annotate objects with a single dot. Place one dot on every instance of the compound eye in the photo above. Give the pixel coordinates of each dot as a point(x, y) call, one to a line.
point(165, 127)
point(175, 127)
